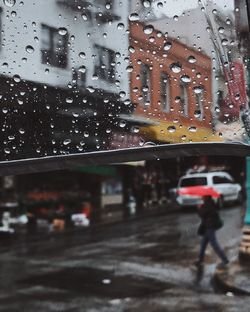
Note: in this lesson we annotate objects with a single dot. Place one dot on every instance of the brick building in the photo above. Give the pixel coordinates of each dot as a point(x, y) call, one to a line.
point(171, 86)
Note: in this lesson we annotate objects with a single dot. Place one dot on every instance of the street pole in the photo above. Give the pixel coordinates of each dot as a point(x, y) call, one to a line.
point(245, 243)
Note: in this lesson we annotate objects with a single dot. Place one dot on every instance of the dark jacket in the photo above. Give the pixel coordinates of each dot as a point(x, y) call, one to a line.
point(209, 215)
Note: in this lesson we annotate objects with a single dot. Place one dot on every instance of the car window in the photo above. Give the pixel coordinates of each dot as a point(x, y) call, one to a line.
point(193, 181)
point(121, 78)
point(221, 180)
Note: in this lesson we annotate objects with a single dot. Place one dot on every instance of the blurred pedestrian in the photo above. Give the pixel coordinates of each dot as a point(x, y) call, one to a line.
point(210, 223)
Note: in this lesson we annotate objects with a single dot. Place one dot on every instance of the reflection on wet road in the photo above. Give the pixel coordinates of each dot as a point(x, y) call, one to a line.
point(144, 265)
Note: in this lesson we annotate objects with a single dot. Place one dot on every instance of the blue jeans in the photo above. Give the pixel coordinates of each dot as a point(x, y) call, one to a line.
point(210, 237)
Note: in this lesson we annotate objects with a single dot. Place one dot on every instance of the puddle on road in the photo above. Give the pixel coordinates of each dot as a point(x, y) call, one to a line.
point(89, 281)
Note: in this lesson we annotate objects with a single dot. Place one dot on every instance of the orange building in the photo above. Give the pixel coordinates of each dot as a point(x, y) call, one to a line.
point(171, 86)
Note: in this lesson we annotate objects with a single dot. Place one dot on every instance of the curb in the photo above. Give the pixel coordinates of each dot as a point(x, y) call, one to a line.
point(222, 281)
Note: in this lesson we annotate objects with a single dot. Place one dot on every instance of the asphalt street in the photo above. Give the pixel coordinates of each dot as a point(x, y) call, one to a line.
point(141, 265)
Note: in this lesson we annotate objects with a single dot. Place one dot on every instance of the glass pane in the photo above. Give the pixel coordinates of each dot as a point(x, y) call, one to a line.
point(95, 76)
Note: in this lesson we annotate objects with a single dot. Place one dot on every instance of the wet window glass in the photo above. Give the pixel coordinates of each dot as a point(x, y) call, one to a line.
point(99, 76)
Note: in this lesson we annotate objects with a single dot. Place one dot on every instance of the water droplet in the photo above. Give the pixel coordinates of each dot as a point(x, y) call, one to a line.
point(66, 142)
point(9, 3)
point(198, 89)
point(69, 100)
point(84, 17)
point(86, 134)
point(135, 129)
point(120, 26)
point(134, 17)
point(82, 69)
point(91, 89)
point(21, 131)
point(171, 129)
point(221, 30)
point(13, 13)
point(129, 69)
point(224, 42)
point(185, 78)
point(11, 137)
point(167, 46)
point(191, 59)
point(131, 49)
point(176, 18)
point(177, 99)
point(175, 67)
point(20, 102)
point(62, 31)
point(82, 55)
point(148, 29)
point(122, 123)
point(197, 113)
point(146, 3)
point(160, 5)
point(7, 150)
point(192, 129)
point(29, 49)
point(108, 130)
point(16, 78)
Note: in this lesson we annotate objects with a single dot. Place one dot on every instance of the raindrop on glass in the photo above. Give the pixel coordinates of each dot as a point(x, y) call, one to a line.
point(185, 78)
point(82, 69)
point(9, 3)
point(133, 17)
point(122, 124)
point(171, 129)
point(175, 67)
point(62, 31)
point(160, 5)
point(146, 3)
point(82, 55)
point(191, 59)
point(29, 49)
point(198, 89)
point(197, 113)
point(66, 142)
point(16, 78)
point(120, 26)
point(167, 46)
point(148, 29)
point(69, 100)
point(192, 129)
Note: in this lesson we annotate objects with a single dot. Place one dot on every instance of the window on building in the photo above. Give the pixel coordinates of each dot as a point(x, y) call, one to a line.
point(54, 47)
point(199, 98)
point(165, 94)
point(105, 63)
point(79, 77)
point(184, 98)
point(145, 84)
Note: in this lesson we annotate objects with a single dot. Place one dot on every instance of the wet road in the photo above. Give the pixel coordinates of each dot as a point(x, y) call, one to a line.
point(144, 265)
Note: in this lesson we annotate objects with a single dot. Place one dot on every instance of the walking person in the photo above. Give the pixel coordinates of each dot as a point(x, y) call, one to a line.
point(210, 223)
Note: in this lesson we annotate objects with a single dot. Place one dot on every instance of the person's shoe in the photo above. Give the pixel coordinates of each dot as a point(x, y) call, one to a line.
point(223, 265)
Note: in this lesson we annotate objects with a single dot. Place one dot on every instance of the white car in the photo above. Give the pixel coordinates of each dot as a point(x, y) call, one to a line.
point(220, 181)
